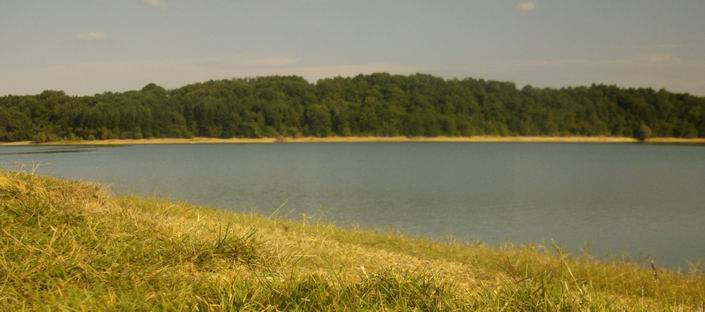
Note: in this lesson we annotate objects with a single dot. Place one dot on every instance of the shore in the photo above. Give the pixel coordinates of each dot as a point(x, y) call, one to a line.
point(370, 139)
point(74, 246)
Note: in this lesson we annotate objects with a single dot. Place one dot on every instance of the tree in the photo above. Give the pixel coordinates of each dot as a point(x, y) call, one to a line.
point(643, 132)
point(377, 104)
point(319, 120)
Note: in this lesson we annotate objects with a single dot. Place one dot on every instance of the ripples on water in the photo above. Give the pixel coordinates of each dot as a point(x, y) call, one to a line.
point(646, 200)
point(47, 151)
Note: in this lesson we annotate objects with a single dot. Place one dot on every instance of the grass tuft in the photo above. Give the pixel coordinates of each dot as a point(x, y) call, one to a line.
point(240, 248)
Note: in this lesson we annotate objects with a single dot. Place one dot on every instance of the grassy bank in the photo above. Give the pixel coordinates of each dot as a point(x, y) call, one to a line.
point(74, 246)
point(352, 139)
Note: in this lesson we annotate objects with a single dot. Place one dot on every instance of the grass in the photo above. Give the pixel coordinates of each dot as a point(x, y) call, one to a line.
point(71, 246)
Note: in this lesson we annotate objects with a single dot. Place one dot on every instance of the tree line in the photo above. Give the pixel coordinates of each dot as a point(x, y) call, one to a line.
point(370, 105)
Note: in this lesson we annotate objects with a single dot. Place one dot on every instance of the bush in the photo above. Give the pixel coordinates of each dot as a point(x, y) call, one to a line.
point(642, 133)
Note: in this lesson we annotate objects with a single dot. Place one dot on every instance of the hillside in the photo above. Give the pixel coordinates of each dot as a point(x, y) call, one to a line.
point(74, 246)
point(378, 105)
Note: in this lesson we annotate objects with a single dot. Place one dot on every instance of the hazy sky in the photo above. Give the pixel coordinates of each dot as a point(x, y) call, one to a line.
point(89, 46)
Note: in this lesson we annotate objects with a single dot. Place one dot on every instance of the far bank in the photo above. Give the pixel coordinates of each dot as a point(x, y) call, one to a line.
point(372, 139)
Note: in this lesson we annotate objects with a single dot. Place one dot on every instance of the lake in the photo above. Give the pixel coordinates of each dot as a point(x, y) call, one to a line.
point(647, 201)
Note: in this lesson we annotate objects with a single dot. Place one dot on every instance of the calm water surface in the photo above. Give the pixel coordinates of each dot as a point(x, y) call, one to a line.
point(647, 201)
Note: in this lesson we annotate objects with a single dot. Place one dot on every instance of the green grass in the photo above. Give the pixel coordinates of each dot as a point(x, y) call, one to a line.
point(75, 247)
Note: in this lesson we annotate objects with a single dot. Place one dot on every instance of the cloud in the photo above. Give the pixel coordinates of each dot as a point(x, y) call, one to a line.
point(119, 75)
point(92, 36)
point(273, 61)
point(526, 6)
point(84, 78)
point(556, 62)
point(664, 46)
point(643, 59)
point(154, 3)
point(313, 73)
point(647, 69)
point(655, 58)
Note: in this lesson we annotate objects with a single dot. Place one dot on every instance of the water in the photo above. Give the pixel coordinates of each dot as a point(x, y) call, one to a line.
point(644, 200)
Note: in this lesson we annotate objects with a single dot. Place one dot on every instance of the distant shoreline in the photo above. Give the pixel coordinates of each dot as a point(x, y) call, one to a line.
point(369, 139)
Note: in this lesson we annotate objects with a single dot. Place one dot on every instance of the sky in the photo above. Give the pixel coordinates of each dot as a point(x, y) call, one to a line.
point(90, 46)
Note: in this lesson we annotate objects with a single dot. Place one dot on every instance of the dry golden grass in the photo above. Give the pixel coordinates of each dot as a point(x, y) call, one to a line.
point(73, 246)
point(677, 140)
point(4, 181)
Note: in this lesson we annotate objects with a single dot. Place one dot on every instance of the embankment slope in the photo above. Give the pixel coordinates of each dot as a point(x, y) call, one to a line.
point(74, 246)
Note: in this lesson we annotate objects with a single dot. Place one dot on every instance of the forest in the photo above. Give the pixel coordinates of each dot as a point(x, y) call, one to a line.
point(365, 105)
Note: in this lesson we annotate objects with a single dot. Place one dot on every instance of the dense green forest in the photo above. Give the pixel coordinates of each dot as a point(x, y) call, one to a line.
point(376, 105)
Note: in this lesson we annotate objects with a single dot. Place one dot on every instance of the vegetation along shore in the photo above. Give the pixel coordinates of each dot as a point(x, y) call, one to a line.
point(375, 105)
point(364, 139)
point(74, 246)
